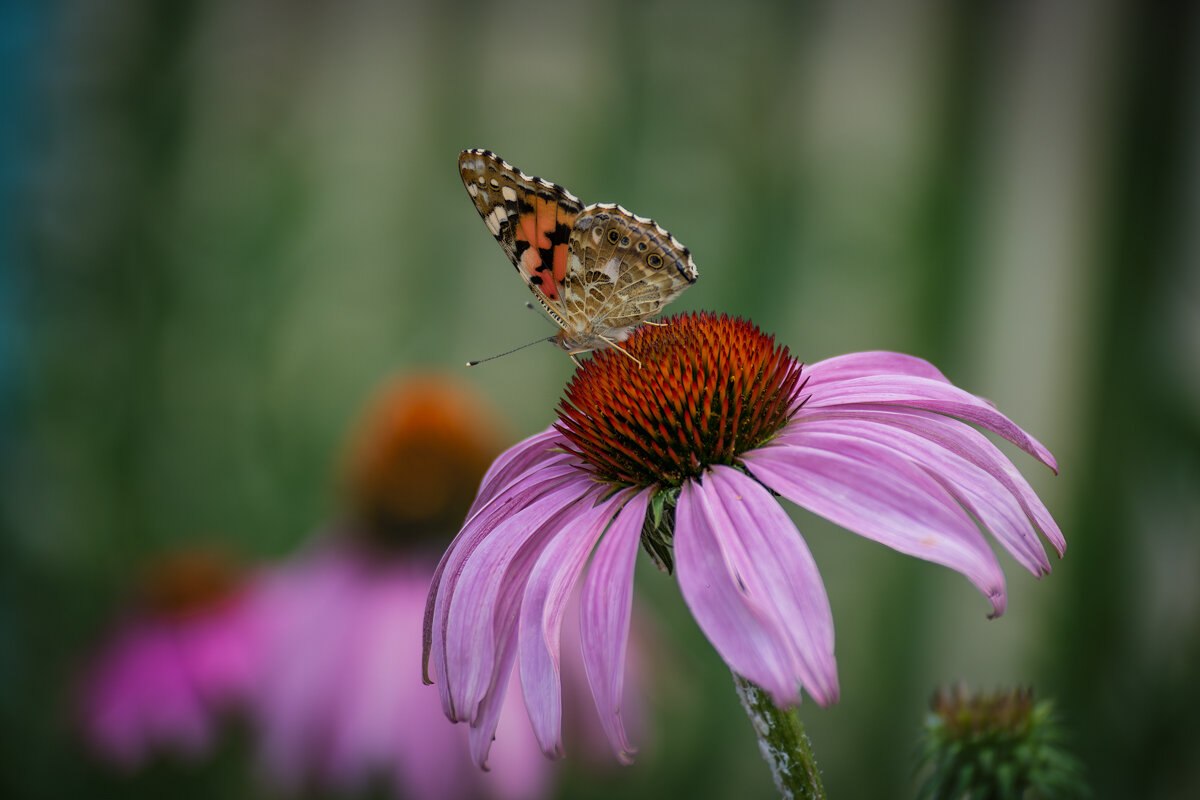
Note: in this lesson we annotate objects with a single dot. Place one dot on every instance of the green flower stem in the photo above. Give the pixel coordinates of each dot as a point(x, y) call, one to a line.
point(783, 743)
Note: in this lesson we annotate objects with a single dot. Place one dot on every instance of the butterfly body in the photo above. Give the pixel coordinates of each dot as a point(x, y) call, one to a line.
point(597, 270)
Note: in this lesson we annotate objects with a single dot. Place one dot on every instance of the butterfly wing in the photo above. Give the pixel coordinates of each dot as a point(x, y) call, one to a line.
point(531, 218)
point(623, 269)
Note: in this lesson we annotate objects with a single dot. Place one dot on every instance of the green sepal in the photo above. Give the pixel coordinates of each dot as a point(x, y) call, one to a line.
point(658, 529)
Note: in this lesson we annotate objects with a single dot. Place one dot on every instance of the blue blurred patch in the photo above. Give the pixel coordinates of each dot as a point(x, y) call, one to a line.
point(24, 25)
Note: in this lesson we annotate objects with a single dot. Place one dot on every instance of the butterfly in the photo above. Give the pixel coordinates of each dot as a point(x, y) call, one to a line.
point(597, 270)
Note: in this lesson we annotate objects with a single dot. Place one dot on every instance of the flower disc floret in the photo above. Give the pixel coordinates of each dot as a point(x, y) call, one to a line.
point(696, 391)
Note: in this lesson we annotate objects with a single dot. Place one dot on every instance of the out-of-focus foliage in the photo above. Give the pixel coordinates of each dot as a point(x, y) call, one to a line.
point(997, 745)
point(226, 222)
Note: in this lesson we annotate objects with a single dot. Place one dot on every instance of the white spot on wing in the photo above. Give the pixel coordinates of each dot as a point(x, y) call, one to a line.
point(495, 218)
point(610, 269)
point(509, 194)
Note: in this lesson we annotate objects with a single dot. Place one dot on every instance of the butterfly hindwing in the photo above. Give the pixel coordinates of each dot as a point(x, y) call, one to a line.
point(630, 267)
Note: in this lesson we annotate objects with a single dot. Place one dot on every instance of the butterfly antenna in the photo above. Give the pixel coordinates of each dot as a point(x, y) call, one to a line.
point(509, 352)
point(541, 314)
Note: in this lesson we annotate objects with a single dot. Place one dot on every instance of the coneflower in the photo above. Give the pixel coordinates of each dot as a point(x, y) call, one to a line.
point(684, 449)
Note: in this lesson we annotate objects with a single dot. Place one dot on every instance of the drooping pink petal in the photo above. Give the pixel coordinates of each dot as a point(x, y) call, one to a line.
point(491, 583)
point(604, 618)
point(753, 587)
point(482, 730)
point(528, 489)
point(549, 586)
point(869, 489)
point(870, 363)
point(516, 768)
point(977, 448)
point(512, 463)
point(504, 617)
point(961, 455)
point(929, 395)
point(979, 492)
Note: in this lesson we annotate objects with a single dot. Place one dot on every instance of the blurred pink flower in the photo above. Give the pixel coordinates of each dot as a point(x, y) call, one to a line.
point(180, 659)
point(341, 703)
point(685, 450)
point(322, 651)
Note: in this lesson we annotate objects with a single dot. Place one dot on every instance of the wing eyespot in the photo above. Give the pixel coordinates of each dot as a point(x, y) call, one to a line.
point(654, 261)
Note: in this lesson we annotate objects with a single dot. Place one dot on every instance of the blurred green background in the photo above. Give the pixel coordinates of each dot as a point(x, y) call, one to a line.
point(225, 223)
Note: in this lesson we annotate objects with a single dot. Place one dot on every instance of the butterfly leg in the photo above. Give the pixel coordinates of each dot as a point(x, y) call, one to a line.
point(611, 343)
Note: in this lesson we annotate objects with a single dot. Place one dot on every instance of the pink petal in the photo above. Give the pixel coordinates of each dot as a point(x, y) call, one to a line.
point(483, 728)
point(930, 395)
point(868, 364)
point(961, 454)
point(871, 490)
point(525, 491)
point(513, 463)
point(753, 586)
point(604, 618)
point(485, 598)
point(979, 492)
point(550, 584)
point(518, 771)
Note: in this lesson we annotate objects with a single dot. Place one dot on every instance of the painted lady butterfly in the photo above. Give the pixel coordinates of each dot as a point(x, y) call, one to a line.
point(597, 270)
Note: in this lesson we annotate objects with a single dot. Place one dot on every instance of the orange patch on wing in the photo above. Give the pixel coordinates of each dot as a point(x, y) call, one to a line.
point(535, 228)
point(547, 219)
point(531, 259)
point(527, 230)
point(548, 213)
point(560, 263)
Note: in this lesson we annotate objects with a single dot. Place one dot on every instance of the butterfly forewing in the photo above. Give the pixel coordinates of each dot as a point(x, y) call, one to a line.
point(530, 218)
